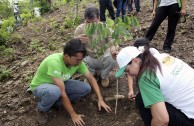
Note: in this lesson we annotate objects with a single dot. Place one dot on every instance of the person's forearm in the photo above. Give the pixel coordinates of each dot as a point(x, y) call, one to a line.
point(64, 97)
point(96, 88)
point(158, 123)
point(130, 82)
point(183, 3)
point(67, 104)
point(155, 5)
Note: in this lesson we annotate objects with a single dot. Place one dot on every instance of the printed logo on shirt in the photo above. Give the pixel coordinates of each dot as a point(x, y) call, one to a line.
point(177, 69)
point(66, 77)
point(168, 60)
point(57, 73)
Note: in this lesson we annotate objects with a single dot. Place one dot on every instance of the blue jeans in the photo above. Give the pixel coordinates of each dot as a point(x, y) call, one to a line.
point(121, 6)
point(137, 5)
point(49, 94)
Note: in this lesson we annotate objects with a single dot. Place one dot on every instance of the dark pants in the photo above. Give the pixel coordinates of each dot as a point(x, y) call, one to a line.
point(137, 5)
point(161, 14)
point(176, 117)
point(121, 8)
point(106, 4)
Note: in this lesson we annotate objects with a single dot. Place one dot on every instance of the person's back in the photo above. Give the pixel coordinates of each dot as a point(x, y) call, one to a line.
point(165, 83)
point(176, 83)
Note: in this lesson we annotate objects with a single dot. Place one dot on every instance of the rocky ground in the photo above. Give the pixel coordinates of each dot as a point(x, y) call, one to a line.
point(36, 40)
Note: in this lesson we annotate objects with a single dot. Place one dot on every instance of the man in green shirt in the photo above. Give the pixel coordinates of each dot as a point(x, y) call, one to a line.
point(52, 82)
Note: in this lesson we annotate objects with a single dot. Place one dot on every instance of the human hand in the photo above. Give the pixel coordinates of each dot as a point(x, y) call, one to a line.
point(101, 103)
point(131, 96)
point(153, 13)
point(84, 39)
point(77, 120)
point(114, 51)
point(183, 11)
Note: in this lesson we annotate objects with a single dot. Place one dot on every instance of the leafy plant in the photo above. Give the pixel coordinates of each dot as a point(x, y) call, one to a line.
point(4, 35)
point(6, 9)
point(68, 22)
point(115, 29)
point(35, 45)
point(7, 52)
point(4, 73)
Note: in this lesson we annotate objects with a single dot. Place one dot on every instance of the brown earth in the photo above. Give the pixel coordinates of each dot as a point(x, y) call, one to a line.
point(17, 108)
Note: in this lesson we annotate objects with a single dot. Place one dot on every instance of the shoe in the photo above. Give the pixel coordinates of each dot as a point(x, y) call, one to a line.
point(105, 82)
point(42, 118)
point(86, 81)
point(167, 50)
point(28, 90)
point(58, 105)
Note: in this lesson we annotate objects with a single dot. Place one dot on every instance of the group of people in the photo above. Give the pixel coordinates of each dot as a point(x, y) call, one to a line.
point(166, 83)
point(120, 6)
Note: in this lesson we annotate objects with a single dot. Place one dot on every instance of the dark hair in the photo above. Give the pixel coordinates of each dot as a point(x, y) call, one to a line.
point(91, 12)
point(73, 47)
point(149, 63)
point(141, 42)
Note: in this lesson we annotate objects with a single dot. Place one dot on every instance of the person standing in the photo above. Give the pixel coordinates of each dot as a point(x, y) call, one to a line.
point(18, 19)
point(163, 9)
point(166, 86)
point(106, 4)
point(121, 8)
point(52, 85)
point(130, 5)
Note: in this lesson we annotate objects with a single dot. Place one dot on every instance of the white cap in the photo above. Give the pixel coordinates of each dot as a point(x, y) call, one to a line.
point(124, 57)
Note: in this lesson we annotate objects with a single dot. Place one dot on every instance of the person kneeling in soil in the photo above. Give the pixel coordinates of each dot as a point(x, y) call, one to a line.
point(166, 86)
point(106, 62)
point(52, 83)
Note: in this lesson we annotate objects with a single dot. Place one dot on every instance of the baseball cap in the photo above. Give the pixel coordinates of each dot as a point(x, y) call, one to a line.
point(124, 57)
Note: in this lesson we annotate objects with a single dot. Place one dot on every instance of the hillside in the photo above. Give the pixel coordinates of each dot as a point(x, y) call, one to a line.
point(36, 40)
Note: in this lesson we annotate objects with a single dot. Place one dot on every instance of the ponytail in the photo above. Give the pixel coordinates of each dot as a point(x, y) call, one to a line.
point(149, 63)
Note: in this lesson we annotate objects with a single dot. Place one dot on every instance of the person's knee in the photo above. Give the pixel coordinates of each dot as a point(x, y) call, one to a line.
point(54, 93)
point(87, 89)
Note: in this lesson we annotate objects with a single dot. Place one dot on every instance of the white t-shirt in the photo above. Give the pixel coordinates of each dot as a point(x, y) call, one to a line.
point(16, 9)
point(177, 83)
point(167, 2)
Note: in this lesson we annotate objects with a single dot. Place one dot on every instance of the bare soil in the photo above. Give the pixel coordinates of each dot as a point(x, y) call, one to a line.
point(17, 108)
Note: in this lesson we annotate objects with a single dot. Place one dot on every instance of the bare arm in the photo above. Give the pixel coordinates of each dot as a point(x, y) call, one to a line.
point(76, 118)
point(160, 115)
point(155, 7)
point(130, 86)
point(96, 88)
point(183, 8)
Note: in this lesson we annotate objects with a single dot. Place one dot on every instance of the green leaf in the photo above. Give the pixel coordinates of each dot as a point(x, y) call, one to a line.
point(128, 37)
point(135, 21)
point(127, 20)
point(109, 22)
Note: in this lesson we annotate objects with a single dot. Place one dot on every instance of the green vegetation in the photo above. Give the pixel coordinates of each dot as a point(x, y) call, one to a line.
point(35, 45)
point(117, 30)
point(4, 73)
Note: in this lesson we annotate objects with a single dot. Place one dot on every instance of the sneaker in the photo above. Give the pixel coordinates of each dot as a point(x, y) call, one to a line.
point(86, 81)
point(28, 90)
point(42, 118)
point(105, 82)
point(58, 105)
point(167, 50)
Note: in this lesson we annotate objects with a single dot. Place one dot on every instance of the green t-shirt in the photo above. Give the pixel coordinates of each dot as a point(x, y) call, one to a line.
point(54, 66)
point(150, 89)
